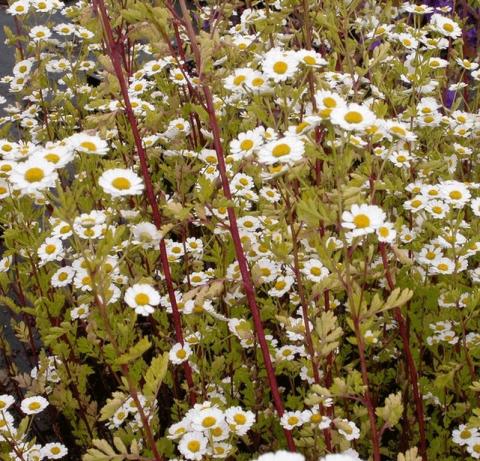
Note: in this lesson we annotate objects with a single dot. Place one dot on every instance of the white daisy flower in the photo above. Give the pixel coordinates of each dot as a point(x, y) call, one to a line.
point(465, 435)
point(240, 420)
point(193, 445)
point(280, 65)
point(281, 455)
point(80, 312)
point(179, 354)
point(33, 175)
point(18, 8)
point(363, 219)
point(89, 144)
point(291, 419)
point(310, 58)
point(51, 250)
point(353, 117)
point(445, 26)
point(119, 182)
point(455, 193)
point(314, 270)
point(39, 33)
point(288, 149)
point(146, 234)
point(54, 450)
point(6, 401)
point(281, 286)
point(142, 297)
point(386, 233)
point(33, 405)
point(62, 277)
point(348, 429)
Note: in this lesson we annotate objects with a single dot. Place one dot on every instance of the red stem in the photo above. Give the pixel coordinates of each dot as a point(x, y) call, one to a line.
point(239, 252)
point(115, 55)
point(408, 355)
point(368, 399)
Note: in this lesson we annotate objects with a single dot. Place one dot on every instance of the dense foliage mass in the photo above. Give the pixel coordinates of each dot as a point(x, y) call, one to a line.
point(234, 230)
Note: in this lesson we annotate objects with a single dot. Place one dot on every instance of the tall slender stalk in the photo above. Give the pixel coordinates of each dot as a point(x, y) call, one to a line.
point(408, 356)
point(234, 232)
point(114, 50)
point(368, 398)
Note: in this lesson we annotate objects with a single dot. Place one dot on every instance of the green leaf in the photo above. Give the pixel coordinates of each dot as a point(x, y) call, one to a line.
point(134, 352)
point(155, 374)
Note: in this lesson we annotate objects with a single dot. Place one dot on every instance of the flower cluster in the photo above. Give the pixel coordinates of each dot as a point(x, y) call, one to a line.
point(271, 208)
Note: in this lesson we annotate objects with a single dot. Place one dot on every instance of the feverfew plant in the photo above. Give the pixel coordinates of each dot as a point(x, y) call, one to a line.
point(237, 230)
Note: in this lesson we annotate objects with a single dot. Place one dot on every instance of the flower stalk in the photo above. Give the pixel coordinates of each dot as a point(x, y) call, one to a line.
point(114, 50)
point(234, 231)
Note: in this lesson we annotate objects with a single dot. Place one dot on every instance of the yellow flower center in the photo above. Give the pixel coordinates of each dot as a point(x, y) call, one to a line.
point(310, 60)
point(383, 231)
point(34, 175)
point(455, 195)
point(239, 79)
point(353, 117)
point(3, 190)
point(398, 130)
point(88, 145)
point(416, 203)
point(181, 354)
point(121, 183)
point(63, 276)
point(292, 420)
point(315, 271)
point(34, 406)
point(301, 126)
point(280, 67)
point(49, 249)
point(246, 144)
point(86, 280)
point(437, 209)
point(442, 267)
point(315, 418)
point(329, 102)
point(7, 148)
point(465, 434)
point(142, 299)
point(280, 150)
point(257, 81)
point(209, 421)
point(280, 285)
point(240, 419)
point(448, 27)
point(52, 158)
point(193, 446)
point(361, 221)
point(55, 450)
